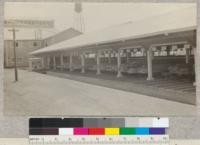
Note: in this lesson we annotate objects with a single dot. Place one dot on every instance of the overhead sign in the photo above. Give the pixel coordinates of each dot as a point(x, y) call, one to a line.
point(19, 23)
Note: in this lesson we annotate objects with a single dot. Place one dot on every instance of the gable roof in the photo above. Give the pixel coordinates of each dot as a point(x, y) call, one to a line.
point(176, 21)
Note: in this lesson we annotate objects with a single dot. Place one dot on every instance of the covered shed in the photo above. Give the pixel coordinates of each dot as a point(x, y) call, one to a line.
point(171, 35)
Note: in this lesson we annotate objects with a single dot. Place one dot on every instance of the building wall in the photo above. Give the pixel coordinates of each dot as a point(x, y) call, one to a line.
point(23, 48)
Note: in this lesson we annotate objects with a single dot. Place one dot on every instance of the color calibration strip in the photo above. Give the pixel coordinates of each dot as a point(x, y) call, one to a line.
point(97, 131)
point(137, 131)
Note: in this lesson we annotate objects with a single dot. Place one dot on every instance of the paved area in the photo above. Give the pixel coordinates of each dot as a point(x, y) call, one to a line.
point(40, 94)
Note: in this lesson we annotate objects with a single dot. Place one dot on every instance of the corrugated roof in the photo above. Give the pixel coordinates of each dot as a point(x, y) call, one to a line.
point(176, 21)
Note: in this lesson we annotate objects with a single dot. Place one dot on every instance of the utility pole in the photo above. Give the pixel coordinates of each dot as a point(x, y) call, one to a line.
point(14, 52)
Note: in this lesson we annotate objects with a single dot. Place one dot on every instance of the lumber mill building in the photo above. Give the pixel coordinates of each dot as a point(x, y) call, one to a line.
point(157, 46)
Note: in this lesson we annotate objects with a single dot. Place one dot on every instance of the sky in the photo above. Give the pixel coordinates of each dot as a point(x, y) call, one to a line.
point(96, 15)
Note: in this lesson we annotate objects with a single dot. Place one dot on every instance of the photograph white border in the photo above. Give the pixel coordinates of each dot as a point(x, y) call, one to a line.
point(18, 126)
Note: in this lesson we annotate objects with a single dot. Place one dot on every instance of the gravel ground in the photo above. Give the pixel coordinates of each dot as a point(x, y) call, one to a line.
point(40, 94)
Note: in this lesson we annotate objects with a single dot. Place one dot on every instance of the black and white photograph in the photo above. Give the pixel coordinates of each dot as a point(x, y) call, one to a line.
point(87, 58)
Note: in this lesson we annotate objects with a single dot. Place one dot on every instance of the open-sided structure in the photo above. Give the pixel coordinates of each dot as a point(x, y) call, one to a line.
point(157, 45)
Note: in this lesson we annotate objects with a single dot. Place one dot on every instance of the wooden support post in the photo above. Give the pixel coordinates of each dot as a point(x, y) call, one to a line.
point(109, 57)
point(98, 63)
point(48, 62)
point(149, 64)
point(54, 62)
point(187, 56)
point(30, 65)
point(119, 73)
point(43, 62)
point(61, 62)
point(195, 66)
point(82, 63)
point(71, 62)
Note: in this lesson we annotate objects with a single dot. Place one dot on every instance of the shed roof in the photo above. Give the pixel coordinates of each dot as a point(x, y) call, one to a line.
point(175, 21)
